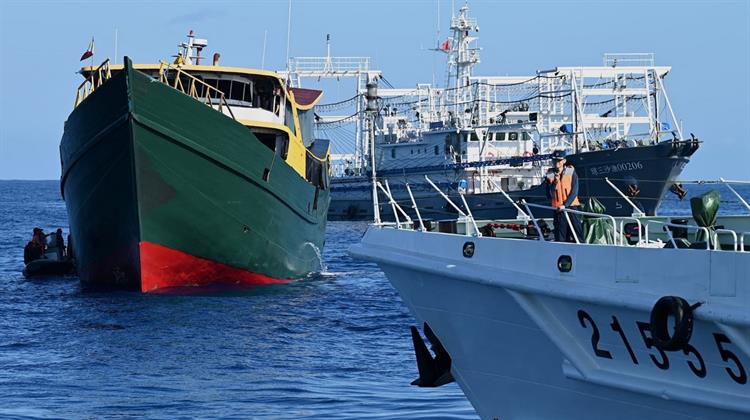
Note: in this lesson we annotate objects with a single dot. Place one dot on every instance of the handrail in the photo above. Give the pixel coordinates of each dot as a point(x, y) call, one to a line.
point(507, 197)
point(742, 240)
point(95, 79)
point(622, 229)
point(636, 210)
point(393, 203)
point(583, 213)
point(571, 227)
point(192, 90)
point(665, 224)
point(729, 231)
point(416, 209)
point(445, 196)
point(470, 216)
point(533, 220)
point(739, 197)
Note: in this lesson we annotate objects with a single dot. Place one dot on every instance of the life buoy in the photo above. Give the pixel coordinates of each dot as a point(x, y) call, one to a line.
point(681, 312)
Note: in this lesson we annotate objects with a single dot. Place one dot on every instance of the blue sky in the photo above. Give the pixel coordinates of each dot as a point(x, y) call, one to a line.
point(706, 42)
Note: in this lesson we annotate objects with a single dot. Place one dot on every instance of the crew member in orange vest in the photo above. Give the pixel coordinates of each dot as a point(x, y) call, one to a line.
point(562, 190)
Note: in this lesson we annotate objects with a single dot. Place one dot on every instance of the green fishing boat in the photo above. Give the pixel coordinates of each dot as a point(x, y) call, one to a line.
point(185, 174)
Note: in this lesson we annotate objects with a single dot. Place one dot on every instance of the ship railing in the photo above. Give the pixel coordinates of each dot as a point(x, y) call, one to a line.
point(521, 215)
point(189, 85)
point(396, 209)
point(618, 238)
point(466, 214)
point(636, 211)
point(728, 184)
point(742, 240)
point(738, 238)
point(665, 228)
point(96, 78)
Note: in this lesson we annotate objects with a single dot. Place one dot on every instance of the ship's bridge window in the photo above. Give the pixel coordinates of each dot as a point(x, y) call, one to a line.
point(225, 86)
point(512, 136)
point(252, 91)
point(500, 136)
point(525, 136)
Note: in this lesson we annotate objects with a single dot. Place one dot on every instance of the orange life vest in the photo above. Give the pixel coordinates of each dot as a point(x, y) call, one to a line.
point(562, 191)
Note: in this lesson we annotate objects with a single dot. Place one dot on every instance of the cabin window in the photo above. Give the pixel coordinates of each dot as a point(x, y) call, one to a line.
point(225, 86)
point(211, 82)
point(437, 150)
point(393, 153)
point(238, 91)
point(525, 136)
point(500, 136)
point(512, 136)
point(249, 93)
point(473, 137)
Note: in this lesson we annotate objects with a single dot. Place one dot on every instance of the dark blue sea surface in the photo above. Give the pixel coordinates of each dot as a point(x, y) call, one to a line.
point(335, 345)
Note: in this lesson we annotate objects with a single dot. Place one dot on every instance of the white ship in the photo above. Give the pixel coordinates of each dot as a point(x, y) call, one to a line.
point(631, 328)
point(615, 120)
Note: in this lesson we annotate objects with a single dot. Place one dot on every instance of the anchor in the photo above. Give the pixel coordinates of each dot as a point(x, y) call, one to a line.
point(433, 371)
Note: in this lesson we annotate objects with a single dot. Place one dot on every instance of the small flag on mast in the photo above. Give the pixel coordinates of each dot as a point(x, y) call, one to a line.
point(446, 45)
point(90, 51)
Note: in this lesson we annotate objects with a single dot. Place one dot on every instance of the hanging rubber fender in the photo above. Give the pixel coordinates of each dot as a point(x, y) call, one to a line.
point(679, 310)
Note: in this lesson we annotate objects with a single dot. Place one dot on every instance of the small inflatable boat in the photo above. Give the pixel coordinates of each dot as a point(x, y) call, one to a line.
point(45, 267)
point(49, 261)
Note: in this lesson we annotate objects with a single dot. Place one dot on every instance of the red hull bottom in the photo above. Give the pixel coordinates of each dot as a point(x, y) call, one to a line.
point(165, 268)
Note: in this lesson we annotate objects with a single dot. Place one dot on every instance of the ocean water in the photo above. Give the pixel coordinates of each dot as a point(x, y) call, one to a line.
point(334, 346)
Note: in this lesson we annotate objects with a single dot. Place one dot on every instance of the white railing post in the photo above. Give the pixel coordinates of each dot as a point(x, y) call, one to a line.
point(636, 211)
point(416, 209)
point(507, 197)
point(470, 216)
point(739, 197)
point(444, 196)
point(533, 220)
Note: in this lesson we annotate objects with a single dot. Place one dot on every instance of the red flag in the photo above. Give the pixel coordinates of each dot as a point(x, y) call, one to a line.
point(90, 51)
point(446, 45)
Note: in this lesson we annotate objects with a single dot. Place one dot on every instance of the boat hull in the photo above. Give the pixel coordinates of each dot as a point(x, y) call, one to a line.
point(651, 170)
point(528, 341)
point(163, 191)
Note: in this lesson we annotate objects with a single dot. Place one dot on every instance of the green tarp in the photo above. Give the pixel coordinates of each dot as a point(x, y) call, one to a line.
point(597, 230)
point(705, 209)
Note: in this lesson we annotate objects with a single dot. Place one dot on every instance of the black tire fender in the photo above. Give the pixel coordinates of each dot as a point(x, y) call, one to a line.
point(681, 312)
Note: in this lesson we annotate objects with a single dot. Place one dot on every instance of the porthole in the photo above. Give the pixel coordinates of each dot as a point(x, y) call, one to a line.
point(565, 263)
point(468, 249)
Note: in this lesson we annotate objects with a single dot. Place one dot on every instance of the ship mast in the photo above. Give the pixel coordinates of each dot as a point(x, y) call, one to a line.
point(186, 50)
point(463, 55)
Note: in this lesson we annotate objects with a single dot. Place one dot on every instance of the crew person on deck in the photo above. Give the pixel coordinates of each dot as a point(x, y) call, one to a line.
point(562, 190)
